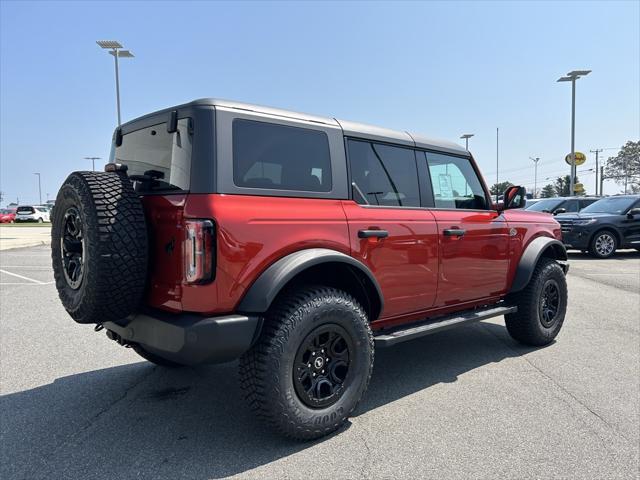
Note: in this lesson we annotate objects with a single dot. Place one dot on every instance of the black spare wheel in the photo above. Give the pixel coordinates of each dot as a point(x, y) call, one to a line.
point(99, 247)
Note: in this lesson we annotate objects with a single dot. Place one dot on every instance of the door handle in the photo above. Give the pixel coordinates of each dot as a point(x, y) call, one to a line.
point(373, 234)
point(453, 232)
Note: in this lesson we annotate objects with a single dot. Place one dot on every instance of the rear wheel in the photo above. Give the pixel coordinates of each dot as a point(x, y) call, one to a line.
point(603, 244)
point(312, 363)
point(541, 306)
point(99, 247)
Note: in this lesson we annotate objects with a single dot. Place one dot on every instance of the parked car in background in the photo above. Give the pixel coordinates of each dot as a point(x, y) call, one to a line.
point(604, 226)
point(30, 213)
point(530, 202)
point(557, 205)
point(7, 215)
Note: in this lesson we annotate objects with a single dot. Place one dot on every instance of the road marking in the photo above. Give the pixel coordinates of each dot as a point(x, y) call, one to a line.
point(29, 267)
point(30, 284)
point(609, 274)
point(22, 277)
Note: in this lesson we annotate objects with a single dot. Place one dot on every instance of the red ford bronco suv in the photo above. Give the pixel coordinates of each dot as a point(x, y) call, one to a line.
point(222, 230)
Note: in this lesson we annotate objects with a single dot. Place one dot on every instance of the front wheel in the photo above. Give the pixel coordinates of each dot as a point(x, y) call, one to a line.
point(603, 244)
point(542, 306)
point(40, 220)
point(312, 363)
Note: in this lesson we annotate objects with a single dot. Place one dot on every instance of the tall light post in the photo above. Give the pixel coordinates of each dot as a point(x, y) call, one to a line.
point(466, 137)
point(572, 77)
point(93, 161)
point(535, 176)
point(39, 189)
point(115, 50)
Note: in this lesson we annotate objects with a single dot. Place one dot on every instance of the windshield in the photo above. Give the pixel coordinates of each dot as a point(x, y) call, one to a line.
point(546, 205)
point(25, 210)
point(164, 159)
point(615, 205)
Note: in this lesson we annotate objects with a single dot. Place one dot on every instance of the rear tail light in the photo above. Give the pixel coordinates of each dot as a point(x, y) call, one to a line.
point(199, 251)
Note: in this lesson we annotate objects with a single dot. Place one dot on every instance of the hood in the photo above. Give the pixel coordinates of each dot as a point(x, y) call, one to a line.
point(576, 216)
point(522, 215)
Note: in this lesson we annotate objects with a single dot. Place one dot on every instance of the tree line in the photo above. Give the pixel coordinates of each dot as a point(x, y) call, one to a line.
point(623, 169)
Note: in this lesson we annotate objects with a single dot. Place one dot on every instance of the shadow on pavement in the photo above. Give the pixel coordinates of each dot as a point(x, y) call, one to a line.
point(149, 422)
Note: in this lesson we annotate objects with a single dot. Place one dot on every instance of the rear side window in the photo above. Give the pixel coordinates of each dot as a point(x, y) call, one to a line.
point(383, 174)
point(280, 157)
point(570, 206)
point(164, 157)
point(585, 202)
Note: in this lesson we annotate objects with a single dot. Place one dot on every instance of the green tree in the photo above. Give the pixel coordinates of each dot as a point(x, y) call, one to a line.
point(499, 188)
point(562, 186)
point(548, 191)
point(624, 168)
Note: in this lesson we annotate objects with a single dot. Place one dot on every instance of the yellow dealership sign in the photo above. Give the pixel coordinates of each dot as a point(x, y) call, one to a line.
point(580, 158)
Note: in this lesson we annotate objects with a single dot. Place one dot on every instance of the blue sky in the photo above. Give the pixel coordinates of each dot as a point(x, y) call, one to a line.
point(441, 69)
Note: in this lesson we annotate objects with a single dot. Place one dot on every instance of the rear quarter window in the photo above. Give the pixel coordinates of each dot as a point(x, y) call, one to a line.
point(154, 151)
point(280, 157)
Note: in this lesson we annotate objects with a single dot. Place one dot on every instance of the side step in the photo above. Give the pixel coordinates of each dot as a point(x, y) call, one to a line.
point(443, 323)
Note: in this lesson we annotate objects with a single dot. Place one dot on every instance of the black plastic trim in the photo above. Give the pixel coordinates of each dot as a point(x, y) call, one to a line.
point(444, 323)
point(530, 257)
point(264, 290)
point(188, 338)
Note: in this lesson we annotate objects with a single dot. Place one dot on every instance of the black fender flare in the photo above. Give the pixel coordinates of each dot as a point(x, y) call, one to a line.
point(530, 257)
point(261, 294)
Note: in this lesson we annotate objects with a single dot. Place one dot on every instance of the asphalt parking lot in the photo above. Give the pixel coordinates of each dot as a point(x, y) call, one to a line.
point(465, 403)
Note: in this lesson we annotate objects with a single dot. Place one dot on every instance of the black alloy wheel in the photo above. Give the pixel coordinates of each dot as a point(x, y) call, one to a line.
point(322, 366)
point(549, 303)
point(72, 248)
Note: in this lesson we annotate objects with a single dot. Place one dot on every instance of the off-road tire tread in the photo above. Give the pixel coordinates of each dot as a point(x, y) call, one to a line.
point(256, 379)
point(116, 231)
point(524, 325)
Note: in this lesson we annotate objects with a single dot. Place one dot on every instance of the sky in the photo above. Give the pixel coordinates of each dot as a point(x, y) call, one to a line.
point(437, 68)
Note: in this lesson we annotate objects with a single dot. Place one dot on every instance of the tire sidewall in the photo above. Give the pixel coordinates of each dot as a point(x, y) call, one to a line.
point(311, 316)
point(551, 271)
point(69, 196)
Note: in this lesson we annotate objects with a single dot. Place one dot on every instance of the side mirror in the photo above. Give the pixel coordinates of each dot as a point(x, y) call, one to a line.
point(559, 210)
point(632, 212)
point(514, 197)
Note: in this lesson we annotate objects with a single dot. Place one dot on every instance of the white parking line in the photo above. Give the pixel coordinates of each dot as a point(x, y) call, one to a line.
point(27, 284)
point(22, 277)
point(27, 267)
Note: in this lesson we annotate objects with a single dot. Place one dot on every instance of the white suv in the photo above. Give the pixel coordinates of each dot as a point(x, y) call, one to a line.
point(28, 213)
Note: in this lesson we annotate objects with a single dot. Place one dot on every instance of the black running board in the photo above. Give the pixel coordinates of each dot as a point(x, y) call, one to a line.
point(443, 323)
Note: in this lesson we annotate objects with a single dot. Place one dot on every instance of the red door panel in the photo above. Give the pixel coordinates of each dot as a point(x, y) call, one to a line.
point(473, 265)
point(406, 262)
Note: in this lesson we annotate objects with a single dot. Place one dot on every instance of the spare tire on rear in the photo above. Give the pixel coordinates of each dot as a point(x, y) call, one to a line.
point(99, 247)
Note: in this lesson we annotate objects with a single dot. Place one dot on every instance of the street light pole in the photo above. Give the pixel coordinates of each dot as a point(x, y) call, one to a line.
point(597, 151)
point(572, 77)
point(535, 176)
point(466, 137)
point(93, 161)
point(39, 189)
point(115, 50)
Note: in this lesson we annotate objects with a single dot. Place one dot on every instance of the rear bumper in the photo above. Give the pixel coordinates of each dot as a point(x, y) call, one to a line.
point(187, 338)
